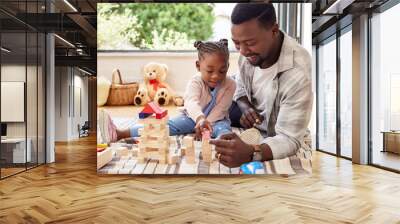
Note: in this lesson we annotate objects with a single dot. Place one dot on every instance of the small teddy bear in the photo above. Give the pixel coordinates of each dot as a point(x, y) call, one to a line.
point(155, 88)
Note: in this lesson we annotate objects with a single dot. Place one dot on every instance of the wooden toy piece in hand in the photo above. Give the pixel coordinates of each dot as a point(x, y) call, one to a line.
point(206, 135)
point(251, 136)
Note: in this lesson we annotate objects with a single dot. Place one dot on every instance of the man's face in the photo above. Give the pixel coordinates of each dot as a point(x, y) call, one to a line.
point(254, 41)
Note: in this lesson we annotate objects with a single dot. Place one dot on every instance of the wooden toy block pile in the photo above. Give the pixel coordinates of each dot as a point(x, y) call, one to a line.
point(154, 140)
point(206, 147)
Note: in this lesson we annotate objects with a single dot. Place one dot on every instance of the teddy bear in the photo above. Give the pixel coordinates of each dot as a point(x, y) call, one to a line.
point(154, 88)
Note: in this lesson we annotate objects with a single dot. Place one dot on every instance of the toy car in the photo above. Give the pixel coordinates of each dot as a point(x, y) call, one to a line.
point(251, 168)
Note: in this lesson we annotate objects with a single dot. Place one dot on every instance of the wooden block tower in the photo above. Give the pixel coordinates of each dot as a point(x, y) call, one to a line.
point(154, 136)
point(206, 147)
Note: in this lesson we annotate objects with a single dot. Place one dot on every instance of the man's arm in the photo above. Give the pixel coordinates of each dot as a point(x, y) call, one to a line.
point(243, 103)
point(292, 121)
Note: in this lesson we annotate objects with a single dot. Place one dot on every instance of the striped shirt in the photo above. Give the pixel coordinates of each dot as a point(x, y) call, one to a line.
point(288, 99)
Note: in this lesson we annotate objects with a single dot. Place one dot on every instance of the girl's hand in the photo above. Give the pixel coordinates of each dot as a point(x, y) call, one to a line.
point(202, 125)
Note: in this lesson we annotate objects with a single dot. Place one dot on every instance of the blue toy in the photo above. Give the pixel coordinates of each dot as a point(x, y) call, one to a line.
point(251, 167)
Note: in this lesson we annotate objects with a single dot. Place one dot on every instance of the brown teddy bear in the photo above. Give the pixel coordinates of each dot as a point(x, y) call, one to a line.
point(154, 88)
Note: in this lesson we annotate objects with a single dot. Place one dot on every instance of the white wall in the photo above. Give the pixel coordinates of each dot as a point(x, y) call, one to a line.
point(17, 73)
point(181, 66)
point(34, 124)
point(69, 85)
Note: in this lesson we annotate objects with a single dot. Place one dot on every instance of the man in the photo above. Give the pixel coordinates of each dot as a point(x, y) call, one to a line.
point(274, 88)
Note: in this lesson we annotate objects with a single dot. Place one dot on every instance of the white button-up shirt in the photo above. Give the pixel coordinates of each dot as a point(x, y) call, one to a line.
point(287, 103)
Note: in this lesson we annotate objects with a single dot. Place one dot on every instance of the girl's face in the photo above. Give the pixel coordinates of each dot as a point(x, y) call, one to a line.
point(213, 68)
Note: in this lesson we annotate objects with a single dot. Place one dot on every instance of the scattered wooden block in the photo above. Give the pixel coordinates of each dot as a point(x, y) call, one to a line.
point(134, 152)
point(121, 151)
point(173, 159)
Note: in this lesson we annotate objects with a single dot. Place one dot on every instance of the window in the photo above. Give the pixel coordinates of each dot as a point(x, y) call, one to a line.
point(158, 26)
point(327, 96)
point(346, 93)
point(22, 76)
point(385, 89)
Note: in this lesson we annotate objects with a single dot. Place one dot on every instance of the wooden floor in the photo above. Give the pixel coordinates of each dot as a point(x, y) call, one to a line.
point(387, 159)
point(70, 191)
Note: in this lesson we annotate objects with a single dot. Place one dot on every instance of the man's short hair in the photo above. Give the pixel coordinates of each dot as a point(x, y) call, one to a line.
point(264, 12)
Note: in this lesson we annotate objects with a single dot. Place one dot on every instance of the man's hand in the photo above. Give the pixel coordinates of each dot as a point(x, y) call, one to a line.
point(202, 124)
point(232, 151)
point(250, 117)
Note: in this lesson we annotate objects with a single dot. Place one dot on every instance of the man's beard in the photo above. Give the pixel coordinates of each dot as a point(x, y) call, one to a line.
point(258, 62)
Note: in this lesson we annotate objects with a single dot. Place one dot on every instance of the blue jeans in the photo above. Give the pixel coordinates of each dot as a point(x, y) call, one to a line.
point(182, 124)
point(234, 114)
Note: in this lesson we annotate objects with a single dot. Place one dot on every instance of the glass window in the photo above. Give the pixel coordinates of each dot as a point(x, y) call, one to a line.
point(14, 153)
point(346, 94)
point(22, 92)
point(385, 84)
point(327, 96)
point(158, 26)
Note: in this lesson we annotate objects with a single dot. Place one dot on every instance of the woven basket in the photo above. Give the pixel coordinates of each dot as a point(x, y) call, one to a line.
point(121, 93)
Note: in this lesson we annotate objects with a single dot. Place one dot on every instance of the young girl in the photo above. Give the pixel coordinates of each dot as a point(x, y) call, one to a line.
point(207, 98)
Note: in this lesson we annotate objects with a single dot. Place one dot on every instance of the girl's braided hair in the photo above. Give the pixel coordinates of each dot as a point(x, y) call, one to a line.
point(220, 46)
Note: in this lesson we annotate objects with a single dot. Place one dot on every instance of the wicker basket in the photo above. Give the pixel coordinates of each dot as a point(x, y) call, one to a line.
point(121, 93)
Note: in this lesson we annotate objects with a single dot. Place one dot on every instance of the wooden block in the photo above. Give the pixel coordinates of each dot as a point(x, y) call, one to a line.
point(205, 148)
point(155, 134)
point(183, 150)
point(190, 159)
point(143, 115)
point(206, 135)
point(173, 159)
point(148, 138)
point(121, 151)
point(104, 157)
point(154, 144)
point(153, 120)
point(189, 151)
point(207, 157)
point(141, 159)
point(188, 141)
point(162, 114)
point(134, 152)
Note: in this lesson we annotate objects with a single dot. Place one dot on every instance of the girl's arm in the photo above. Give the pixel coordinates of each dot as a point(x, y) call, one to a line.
point(192, 100)
point(222, 107)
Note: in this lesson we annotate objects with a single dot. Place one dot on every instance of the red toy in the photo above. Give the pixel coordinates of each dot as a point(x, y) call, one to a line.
point(152, 108)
